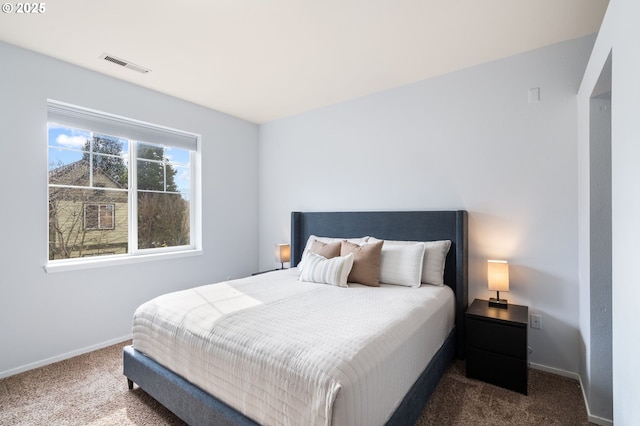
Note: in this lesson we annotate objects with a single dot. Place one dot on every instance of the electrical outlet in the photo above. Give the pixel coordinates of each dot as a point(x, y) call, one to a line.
point(536, 321)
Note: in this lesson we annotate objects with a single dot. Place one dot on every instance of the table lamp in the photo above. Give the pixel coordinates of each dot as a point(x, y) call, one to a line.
point(498, 280)
point(283, 254)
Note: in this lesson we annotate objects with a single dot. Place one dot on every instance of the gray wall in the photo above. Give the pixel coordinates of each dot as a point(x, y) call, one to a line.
point(47, 316)
point(599, 385)
point(467, 140)
point(618, 37)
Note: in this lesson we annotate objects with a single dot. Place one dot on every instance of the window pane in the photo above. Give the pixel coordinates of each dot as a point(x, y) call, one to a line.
point(59, 158)
point(182, 178)
point(151, 176)
point(163, 220)
point(73, 170)
point(150, 152)
point(109, 171)
point(178, 155)
point(109, 161)
point(67, 137)
point(75, 223)
point(66, 156)
point(113, 145)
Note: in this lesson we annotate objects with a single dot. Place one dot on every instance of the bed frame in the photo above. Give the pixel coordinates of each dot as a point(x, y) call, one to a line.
point(197, 407)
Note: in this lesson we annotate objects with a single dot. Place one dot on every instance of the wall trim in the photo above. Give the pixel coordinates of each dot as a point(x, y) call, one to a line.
point(593, 419)
point(64, 356)
point(556, 371)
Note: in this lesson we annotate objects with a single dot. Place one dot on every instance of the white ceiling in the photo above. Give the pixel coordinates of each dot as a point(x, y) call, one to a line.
point(261, 60)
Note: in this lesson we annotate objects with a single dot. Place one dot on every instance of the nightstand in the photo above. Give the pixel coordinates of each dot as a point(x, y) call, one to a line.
point(496, 344)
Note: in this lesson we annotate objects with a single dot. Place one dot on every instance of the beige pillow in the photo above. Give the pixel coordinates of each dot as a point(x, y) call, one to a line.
point(327, 250)
point(312, 238)
point(366, 262)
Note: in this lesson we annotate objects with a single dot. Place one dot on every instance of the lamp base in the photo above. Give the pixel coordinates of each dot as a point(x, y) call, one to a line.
point(498, 303)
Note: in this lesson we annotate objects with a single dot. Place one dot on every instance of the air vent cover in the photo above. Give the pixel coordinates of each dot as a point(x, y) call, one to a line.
point(124, 63)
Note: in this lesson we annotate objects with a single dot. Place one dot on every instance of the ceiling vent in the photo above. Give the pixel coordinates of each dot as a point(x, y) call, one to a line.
point(124, 63)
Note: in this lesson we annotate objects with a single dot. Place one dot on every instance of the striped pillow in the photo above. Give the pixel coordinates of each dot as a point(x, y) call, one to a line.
point(319, 269)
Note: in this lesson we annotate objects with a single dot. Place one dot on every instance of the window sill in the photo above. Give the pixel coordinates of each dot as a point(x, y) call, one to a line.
point(79, 264)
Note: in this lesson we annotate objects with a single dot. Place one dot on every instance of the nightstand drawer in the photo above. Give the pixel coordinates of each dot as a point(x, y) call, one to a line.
point(501, 370)
point(497, 337)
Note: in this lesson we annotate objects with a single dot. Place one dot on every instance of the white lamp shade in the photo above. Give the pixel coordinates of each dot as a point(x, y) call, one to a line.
point(283, 253)
point(498, 275)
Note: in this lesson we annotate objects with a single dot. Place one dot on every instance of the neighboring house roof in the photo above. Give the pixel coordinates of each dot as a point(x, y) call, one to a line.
point(77, 174)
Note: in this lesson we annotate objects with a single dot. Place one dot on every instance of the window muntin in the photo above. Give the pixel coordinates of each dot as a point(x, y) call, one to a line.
point(113, 195)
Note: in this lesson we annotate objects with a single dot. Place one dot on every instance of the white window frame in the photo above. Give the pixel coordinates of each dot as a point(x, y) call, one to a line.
point(134, 130)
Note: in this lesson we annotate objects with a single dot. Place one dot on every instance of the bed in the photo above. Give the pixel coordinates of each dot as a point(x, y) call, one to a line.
point(197, 399)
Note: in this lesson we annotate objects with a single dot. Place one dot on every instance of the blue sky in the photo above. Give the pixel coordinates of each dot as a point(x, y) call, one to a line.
point(66, 144)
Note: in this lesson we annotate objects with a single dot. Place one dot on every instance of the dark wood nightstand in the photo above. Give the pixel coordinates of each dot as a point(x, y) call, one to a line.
point(496, 341)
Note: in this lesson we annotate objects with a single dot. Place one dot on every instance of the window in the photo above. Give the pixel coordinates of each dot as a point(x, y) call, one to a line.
point(99, 216)
point(118, 187)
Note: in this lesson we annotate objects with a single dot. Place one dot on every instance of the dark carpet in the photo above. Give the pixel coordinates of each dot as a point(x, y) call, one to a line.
point(90, 390)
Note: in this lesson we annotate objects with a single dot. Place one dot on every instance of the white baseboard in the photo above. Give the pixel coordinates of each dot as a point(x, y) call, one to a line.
point(593, 419)
point(62, 357)
point(556, 371)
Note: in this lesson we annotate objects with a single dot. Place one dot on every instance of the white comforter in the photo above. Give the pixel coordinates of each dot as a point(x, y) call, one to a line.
point(284, 352)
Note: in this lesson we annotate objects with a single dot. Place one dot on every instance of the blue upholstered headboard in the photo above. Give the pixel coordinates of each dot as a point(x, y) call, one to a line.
point(395, 225)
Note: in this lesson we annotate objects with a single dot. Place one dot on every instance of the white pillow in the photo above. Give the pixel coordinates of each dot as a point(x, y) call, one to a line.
point(435, 255)
point(402, 264)
point(334, 271)
point(307, 246)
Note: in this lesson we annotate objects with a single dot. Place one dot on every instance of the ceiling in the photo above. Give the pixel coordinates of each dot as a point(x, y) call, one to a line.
point(261, 60)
